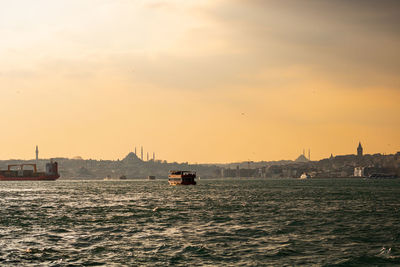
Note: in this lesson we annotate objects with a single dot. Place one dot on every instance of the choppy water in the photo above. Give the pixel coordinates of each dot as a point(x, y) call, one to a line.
point(217, 222)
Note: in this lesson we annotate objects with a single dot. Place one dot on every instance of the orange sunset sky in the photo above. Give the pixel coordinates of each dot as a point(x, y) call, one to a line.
point(199, 81)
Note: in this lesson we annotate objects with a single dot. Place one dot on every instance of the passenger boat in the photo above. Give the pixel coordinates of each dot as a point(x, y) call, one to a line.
point(21, 174)
point(182, 178)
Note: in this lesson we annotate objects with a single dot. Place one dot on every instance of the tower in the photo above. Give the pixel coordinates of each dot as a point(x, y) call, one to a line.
point(147, 156)
point(154, 156)
point(141, 153)
point(309, 152)
point(359, 150)
point(37, 154)
point(135, 152)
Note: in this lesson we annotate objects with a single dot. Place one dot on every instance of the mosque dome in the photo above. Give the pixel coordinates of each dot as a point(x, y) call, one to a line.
point(302, 158)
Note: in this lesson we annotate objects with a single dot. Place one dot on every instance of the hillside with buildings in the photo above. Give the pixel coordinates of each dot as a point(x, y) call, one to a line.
point(357, 165)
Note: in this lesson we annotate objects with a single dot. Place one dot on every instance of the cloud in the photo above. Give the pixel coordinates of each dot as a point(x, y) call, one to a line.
point(352, 43)
point(230, 44)
point(221, 44)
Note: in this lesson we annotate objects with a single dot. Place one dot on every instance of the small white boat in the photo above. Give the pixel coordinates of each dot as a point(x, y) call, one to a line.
point(304, 176)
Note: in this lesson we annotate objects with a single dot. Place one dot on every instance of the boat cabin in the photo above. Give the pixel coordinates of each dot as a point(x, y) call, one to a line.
point(182, 177)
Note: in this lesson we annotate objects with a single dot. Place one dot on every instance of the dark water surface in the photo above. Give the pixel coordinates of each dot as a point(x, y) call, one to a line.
point(344, 222)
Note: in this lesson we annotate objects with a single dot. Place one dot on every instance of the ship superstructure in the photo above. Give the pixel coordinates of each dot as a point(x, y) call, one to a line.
point(182, 178)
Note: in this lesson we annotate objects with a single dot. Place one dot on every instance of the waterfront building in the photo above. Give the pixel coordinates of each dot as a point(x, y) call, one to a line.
point(359, 172)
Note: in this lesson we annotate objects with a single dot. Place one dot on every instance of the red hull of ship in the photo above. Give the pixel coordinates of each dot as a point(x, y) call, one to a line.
point(38, 178)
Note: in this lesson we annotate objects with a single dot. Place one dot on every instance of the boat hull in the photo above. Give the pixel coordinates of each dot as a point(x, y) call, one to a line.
point(181, 183)
point(30, 178)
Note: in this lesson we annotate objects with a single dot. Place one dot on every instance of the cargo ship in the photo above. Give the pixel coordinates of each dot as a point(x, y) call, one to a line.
point(20, 174)
point(182, 178)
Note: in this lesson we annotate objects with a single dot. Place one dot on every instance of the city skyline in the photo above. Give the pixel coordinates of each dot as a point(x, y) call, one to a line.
point(359, 151)
point(209, 81)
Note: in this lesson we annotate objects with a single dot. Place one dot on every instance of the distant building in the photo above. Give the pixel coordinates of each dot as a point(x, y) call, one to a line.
point(302, 158)
point(131, 157)
point(359, 172)
point(359, 150)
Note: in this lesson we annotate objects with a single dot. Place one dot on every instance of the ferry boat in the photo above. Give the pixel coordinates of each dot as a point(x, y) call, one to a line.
point(21, 174)
point(182, 178)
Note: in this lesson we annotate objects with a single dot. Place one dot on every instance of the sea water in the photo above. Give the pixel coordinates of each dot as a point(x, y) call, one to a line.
point(230, 222)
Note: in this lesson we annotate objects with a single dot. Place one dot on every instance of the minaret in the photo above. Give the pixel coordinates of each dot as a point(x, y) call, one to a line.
point(154, 156)
point(37, 154)
point(141, 153)
point(309, 157)
point(147, 156)
point(135, 152)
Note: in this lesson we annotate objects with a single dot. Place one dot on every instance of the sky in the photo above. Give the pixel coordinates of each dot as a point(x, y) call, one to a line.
point(199, 81)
